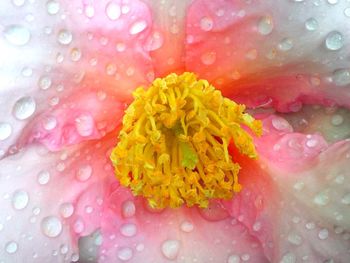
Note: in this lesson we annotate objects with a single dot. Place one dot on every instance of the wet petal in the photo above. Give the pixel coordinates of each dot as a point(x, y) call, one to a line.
point(272, 54)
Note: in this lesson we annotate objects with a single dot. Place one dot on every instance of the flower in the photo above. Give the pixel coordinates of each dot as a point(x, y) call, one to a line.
point(67, 70)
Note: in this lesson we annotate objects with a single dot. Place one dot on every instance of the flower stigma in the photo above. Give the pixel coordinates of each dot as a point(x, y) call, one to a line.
point(173, 145)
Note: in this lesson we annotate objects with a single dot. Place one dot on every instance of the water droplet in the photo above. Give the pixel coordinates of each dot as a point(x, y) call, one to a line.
point(89, 11)
point(311, 143)
point(27, 72)
point(128, 230)
point(281, 124)
point(11, 247)
point(341, 77)
point(140, 247)
point(334, 40)
point(288, 258)
point(346, 199)
point(214, 212)
point(347, 12)
point(323, 234)
point(245, 257)
point(294, 239)
point(111, 69)
point(257, 226)
point(128, 208)
point(43, 177)
point(321, 199)
point(125, 253)
point(75, 54)
point(120, 47)
point(170, 248)
point(51, 226)
point(311, 24)
point(265, 25)
point(337, 120)
point(208, 58)
point(5, 130)
point(186, 226)
point(78, 226)
point(64, 249)
point(18, 2)
point(85, 125)
point(299, 186)
point(137, 27)
point(332, 2)
point(113, 11)
point(84, 172)
point(154, 42)
point(206, 23)
point(65, 37)
point(24, 108)
point(20, 199)
point(49, 123)
point(44, 82)
point(17, 35)
point(66, 210)
point(233, 259)
point(286, 44)
point(53, 7)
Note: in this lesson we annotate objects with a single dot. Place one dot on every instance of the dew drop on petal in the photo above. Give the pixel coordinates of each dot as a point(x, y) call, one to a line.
point(128, 230)
point(154, 42)
point(75, 54)
point(206, 23)
point(5, 130)
point(65, 37)
point(265, 25)
point(125, 254)
point(288, 258)
point(85, 125)
point(137, 27)
point(20, 199)
point(337, 119)
point(18, 2)
point(214, 212)
point(24, 108)
point(128, 208)
point(311, 24)
point(286, 44)
point(53, 7)
point(120, 47)
point(323, 234)
point(321, 199)
point(347, 12)
point(43, 177)
point(51, 226)
point(17, 35)
point(332, 2)
point(11, 247)
point(44, 82)
point(233, 259)
point(84, 173)
point(208, 58)
point(49, 123)
point(66, 210)
point(186, 226)
point(113, 11)
point(346, 199)
point(341, 77)
point(170, 248)
point(334, 41)
point(89, 11)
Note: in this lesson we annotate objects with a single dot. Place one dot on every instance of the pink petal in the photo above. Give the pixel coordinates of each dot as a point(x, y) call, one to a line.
point(265, 53)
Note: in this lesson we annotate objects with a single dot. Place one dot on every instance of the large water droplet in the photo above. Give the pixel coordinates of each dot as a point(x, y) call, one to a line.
point(206, 23)
point(20, 199)
point(113, 11)
point(265, 25)
point(11, 247)
point(137, 27)
point(170, 248)
point(128, 230)
point(84, 173)
point(17, 35)
point(53, 7)
point(24, 108)
point(311, 24)
point(128, 208)
point(51, 226)
point(334, 40)
point(5, 130)
point(66, 210)
point(341, 77)
point(64, 37)
point(125, 253)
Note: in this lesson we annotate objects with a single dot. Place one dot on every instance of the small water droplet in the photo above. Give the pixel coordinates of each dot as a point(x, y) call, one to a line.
point(5, 130)
point(206, 23)
point(233, 259)
point(24, 108)
point(84, 172)
point(321, 199)
point(334, 41)
point(51, 226)
point(299, 186)
point(186, 226)
point(154, 42)
point(75, 54)
point(125, 253)
point(89, 11)
point(85, 125)
point(18, 2)
point(44, 82)
point(346, 199)
point(128, 230)
point(332, 2)
point(17, 35)
point(128, 208)
point(53, 7)
point(341, 77)
point(43, 177)
point(245, 257)
point(347, 12)
point(311, 24)
point(323, 234)
point(286, 44)
point(65, 37)
point(11, 247)
point(27, 72)
point(138, 27)
point(120, 47)
point(265, 25)
point(20, 199)
point(281, 124)
point(170, 248)
point(257, 226)
point(294, 239)
point(208, 58)
point(113, 11)
point(288, 258)
point(111, 69)
point(66, 210)
point(337, 120)
point(49, 123)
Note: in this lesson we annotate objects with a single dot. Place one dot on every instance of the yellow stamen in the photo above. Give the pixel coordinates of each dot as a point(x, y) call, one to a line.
point(173, 146)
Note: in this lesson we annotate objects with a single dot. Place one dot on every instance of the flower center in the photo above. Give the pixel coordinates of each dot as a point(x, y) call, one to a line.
point(173, 146)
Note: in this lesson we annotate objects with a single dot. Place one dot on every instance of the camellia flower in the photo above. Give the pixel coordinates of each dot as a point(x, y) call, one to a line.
point(228, 186)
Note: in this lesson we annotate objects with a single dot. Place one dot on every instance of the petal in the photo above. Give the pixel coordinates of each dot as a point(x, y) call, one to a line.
point(265, 53)
point(49, 199)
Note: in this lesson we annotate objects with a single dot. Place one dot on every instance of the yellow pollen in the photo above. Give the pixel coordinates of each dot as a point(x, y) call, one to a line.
point(173, 146)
